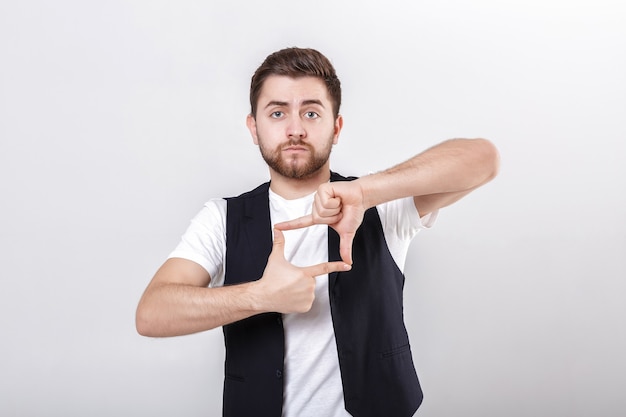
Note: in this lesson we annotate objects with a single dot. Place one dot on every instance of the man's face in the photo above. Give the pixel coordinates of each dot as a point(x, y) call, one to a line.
point(295, 126)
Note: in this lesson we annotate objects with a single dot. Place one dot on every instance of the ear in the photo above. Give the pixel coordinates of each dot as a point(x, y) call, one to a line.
point(338, 127)
point(251, 123)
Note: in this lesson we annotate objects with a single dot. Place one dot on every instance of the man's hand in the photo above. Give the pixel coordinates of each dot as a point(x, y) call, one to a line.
point(339, 204)
point(287, 288)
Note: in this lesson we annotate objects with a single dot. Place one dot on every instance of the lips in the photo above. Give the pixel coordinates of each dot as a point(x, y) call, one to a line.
point(295, 148)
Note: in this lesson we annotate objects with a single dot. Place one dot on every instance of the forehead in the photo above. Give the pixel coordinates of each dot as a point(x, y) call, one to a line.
point(293, 90)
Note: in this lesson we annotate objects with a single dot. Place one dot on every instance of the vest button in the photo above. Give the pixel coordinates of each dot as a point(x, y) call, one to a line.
point(279, 374)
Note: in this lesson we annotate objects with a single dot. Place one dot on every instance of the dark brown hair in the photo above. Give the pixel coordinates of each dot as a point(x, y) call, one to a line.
point(295, 63)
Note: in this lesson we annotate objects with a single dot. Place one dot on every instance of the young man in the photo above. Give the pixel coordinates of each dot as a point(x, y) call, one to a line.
point(305, 272)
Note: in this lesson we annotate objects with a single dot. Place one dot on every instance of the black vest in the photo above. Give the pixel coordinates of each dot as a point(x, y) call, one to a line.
point(375, 359)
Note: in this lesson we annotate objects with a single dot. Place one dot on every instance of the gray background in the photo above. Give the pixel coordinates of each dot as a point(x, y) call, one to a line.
point(118, 120)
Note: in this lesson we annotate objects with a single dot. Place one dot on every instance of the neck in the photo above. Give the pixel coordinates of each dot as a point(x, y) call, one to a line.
point(292, 188)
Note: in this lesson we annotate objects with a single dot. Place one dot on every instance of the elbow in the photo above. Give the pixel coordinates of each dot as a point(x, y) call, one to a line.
point(144, 322)
point(489, 158)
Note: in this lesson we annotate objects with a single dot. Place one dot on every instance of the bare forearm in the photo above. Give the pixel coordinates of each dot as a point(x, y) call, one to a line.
point(178, 309)
point(178, 302)
point(453, 166)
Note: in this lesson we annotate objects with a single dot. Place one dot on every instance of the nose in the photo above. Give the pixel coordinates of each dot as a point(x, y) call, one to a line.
point(295, 129)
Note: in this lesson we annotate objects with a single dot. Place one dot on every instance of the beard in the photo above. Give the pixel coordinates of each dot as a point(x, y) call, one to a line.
point(294, 166)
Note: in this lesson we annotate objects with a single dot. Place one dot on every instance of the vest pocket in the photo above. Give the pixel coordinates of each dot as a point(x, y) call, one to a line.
point(396, 351)
point(236, 378)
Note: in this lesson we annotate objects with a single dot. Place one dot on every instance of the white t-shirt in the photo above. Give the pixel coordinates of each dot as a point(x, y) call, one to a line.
point(312, 377)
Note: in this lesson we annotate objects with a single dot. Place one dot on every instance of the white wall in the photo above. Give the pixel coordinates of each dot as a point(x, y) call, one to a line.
point(119, 119)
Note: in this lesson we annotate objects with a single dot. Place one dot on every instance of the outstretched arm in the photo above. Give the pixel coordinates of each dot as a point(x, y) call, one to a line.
point(434, 178)
point(177, 301)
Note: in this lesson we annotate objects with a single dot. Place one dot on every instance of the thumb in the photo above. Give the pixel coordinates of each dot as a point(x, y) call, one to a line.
point(345, 247)
point(279, 243)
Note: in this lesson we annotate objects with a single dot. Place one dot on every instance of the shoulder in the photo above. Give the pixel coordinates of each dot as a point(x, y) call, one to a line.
point(210, 219)
point(204, 240)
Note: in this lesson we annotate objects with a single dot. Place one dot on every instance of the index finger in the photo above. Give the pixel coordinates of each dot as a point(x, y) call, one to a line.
point(327, 268)
point(304, 221)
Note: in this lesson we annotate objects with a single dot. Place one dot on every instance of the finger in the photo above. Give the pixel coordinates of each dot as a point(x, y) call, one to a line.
point(327, 215)
point(326, 195)
point(326, 203)
point(326, 268)
point(345, 247)
point(330, 204)
point(279, 242)
point(327, 219)
point(298, 223)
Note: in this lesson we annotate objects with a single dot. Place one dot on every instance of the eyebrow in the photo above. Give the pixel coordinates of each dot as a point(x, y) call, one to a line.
point(285, 104)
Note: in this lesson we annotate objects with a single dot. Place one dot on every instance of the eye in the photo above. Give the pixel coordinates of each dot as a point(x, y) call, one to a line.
point(276, 114)
point(311, 115)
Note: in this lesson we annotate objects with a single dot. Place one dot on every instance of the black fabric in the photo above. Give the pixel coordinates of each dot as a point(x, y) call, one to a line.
point(253, 382)
point(375, 359)
point(377, 370)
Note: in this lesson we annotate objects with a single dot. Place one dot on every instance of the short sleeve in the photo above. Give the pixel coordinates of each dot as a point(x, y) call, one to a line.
point(204, 241)
point(401, 223)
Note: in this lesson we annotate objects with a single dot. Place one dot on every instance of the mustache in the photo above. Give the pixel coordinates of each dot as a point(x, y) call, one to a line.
point(296, 142)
